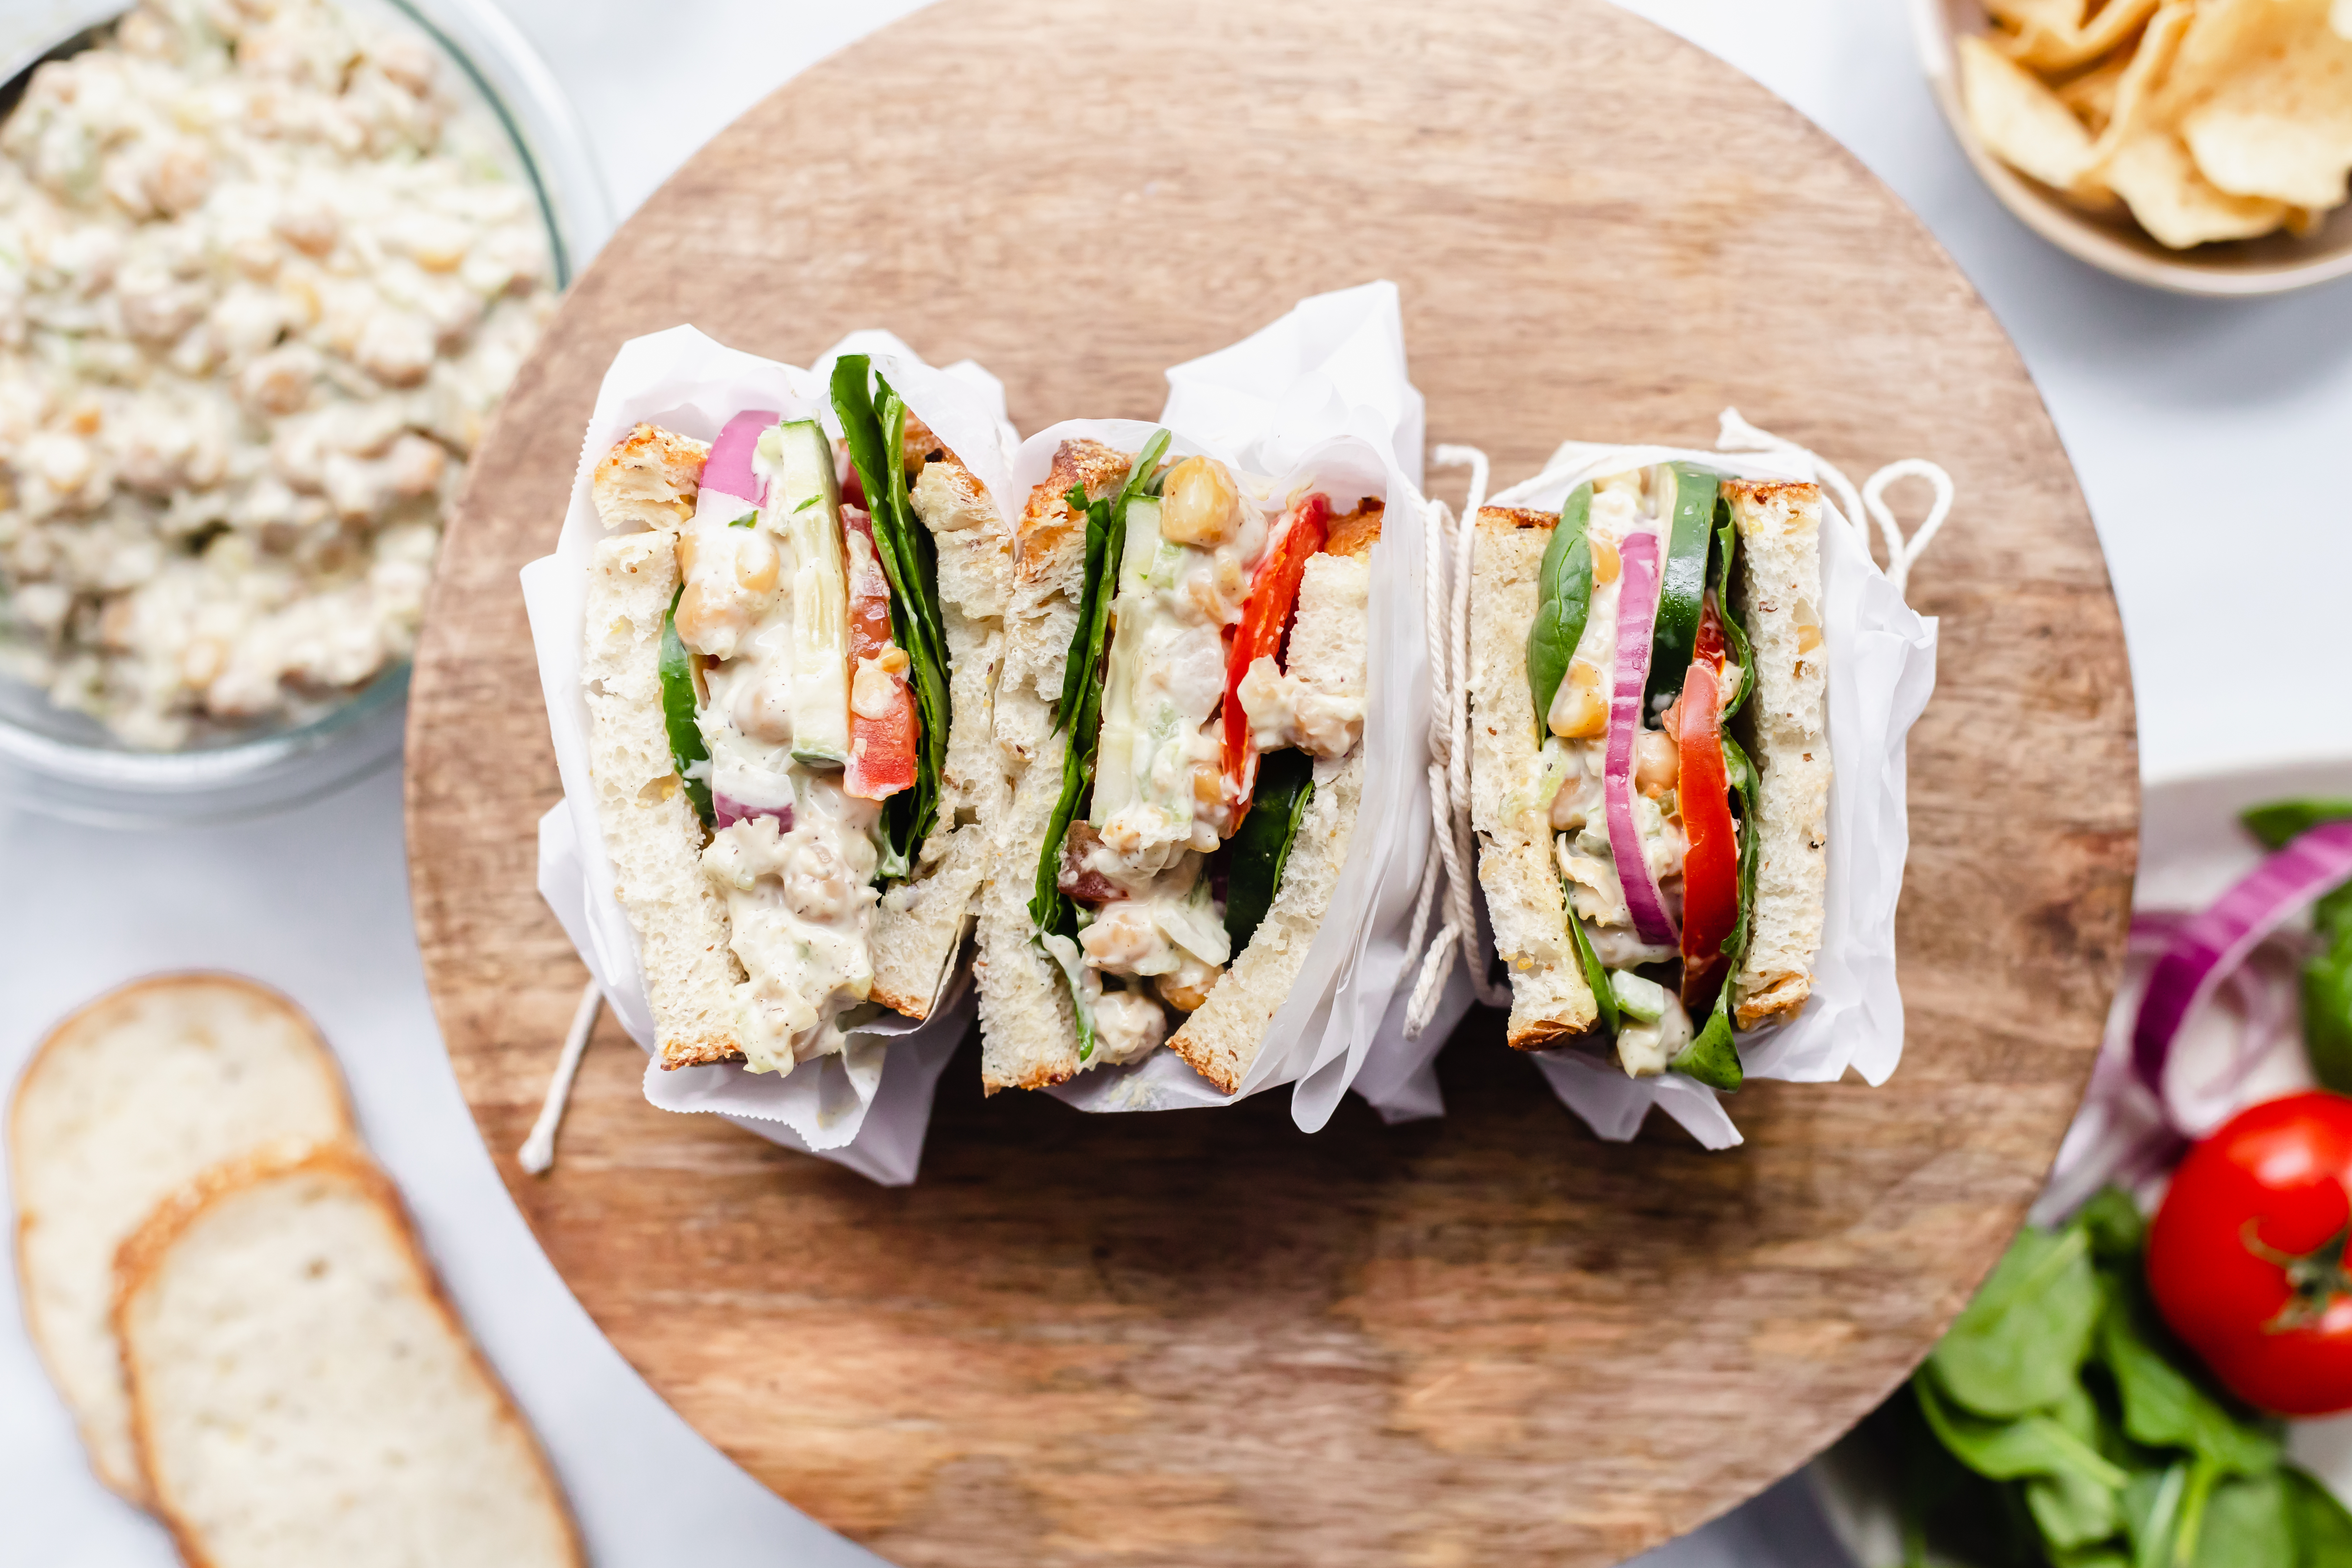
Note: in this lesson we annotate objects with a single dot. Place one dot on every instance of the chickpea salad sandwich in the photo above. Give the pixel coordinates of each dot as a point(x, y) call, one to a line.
point(789, 644)
point(1181, 714)
point(1650, 763)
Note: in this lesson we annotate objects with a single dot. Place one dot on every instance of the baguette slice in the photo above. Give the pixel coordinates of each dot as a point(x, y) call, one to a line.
point(303, 1394)
point(124, 1104)
point(1778, 595)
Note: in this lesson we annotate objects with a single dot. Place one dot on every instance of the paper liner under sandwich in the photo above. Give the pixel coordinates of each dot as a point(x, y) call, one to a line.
point(1882, 670)
point(868, 1105)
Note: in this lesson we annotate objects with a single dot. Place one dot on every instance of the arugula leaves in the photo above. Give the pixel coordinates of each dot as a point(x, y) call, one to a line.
point(2059, 1423)
point(1596, 975)
point(1078, 710)
point(1563, 601)
point(685, 747)
point(1257, 853)
point(874, 426)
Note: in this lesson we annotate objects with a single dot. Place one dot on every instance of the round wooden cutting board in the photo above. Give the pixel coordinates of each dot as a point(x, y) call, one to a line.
point(1203, 1337)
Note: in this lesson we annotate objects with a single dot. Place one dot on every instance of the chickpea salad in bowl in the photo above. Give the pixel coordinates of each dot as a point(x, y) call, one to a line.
point(266, 268)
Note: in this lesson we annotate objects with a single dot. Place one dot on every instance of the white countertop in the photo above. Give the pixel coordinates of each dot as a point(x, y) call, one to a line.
point(2191, 422)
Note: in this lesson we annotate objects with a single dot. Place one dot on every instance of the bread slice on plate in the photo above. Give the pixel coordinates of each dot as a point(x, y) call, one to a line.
point(301, 1392)
point(124, 1104)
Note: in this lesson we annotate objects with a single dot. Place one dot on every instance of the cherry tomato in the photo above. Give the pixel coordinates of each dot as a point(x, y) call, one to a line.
point(2246, 1256)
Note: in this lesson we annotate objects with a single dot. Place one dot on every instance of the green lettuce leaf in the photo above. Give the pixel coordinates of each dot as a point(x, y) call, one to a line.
point(1563, 601)
point(685, 747)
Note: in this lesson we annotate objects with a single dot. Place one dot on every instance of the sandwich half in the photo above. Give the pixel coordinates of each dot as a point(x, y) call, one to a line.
point(1180, 719)
point(1650, 763)
point(789, 643)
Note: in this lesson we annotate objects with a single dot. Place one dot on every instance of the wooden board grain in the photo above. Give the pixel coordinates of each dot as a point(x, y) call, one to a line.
point(1205, 1337)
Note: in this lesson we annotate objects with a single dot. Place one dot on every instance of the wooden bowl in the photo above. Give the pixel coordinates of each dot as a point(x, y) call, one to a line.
point(2241, 269)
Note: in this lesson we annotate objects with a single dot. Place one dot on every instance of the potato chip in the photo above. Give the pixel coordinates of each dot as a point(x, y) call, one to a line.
point(2153, 173)
point(2262, 93)
point(2141, 98)
point(2019, 120)
point(2049, 48)
point(2092, 95)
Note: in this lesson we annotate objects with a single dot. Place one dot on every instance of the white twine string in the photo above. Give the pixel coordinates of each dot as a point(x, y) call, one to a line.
point(538, 1153)
point(1449, 673)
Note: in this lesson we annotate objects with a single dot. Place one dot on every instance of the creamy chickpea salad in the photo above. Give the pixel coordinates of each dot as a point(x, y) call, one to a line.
point(263, 277)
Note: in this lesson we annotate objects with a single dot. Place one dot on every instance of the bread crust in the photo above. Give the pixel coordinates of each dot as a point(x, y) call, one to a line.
point(144, 1250)
point(62, 1036)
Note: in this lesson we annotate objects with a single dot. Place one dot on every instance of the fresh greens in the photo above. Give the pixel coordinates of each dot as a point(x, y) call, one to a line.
point(1563, 601)
point(1683, 581)
point(1259, 849)
point(1713, 1056)
point(2327, 974)
point(1078, 711)
point(2060, 1423)
point(872, 424)
point(1596, 975)
point(685, 747)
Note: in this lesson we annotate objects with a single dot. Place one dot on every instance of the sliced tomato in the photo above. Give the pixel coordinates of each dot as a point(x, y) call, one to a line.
point(1265, 616)
point(1711, 866)
point(881, 749)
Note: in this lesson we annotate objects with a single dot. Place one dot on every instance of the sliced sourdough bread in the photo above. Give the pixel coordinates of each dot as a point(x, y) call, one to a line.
point(301, 1392)
point(124, 1104)
point(1223, 1038)
point(1778, 595)
point(650, 826)
point(1029, 1033)
point(1550, 1003)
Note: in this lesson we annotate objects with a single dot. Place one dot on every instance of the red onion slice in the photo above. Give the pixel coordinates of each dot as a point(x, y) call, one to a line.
point(729, 811)
point(1637, 615)
point(728, 469)
point(2209, 948)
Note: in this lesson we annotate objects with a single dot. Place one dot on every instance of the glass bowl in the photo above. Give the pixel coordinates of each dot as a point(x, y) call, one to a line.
point(65, 765)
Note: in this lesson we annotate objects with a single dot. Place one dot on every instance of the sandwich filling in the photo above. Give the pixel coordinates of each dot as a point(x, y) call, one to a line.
point(1637, 664)
point(1192, 743)
point(803, 687)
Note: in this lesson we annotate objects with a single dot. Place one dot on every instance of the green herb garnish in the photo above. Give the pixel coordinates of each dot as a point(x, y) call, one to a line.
point(686, 748)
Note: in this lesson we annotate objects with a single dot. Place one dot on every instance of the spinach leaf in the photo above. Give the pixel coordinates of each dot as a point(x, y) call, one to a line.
point(2151, 1505)
point(2279, 823)
point(1735, 630)
point(1257, 853)
point(2019, 1345)
point(873, 425)
point(1563, 601)
point(2327, 1013)
point(685, 747)
point(1713, 1058)
point(1683, 581)
point(2011, 1450)
point(2073, 1510)
point(2247, 1522)
point(2114, 1224)
point(1605, 998)
point(2323, 1530)
point(2162, 1406)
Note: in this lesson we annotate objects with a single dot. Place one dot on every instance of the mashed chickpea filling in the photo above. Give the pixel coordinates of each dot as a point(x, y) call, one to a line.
point(1571, 774)
point(1140, 865)
point(263, 277)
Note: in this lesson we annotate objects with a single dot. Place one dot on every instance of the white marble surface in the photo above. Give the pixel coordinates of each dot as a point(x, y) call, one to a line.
point(2194, 427)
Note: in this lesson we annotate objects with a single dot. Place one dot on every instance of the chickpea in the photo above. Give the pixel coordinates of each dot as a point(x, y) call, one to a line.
point(181, 178)
point(280, 381)
point(1122, 936)
point(1199, 505)
point(816, 883)
point(1187, 987)
point(416, 466)
point(310, 227)
point(706, 621)
point(764, 711)
point(757, 561)
point(688, 552)
point(395, 348)
point(1580, 710)
point(1657, 763)
point(1606, 565)
point(1129, 1025)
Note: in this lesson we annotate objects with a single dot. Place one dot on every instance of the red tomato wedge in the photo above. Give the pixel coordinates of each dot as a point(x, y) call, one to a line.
point(1711, 867)
point(881, 749)
point(1265, 616)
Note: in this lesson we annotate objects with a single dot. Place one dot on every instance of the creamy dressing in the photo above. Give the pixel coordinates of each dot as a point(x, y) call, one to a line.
point(798, 870)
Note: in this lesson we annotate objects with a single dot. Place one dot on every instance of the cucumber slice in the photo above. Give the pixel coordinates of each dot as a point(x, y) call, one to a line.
point(805, 507)
point(1115, 786)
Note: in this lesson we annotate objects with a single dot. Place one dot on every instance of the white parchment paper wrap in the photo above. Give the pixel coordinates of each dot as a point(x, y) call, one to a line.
point(1882, 670)
point(868, 1107)
point(1321, 396)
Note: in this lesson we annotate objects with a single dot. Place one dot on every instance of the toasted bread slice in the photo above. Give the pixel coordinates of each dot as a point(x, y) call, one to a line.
point(122, 1105)
point(1778, 595)
point(1550, 1003)
point(301, 1392)
point(649, 481)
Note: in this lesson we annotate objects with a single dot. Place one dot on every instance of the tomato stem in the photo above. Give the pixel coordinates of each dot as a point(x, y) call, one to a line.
point(2315, 1278)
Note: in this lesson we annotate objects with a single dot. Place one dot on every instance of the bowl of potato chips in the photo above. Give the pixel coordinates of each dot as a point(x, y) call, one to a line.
point(2196, 145)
